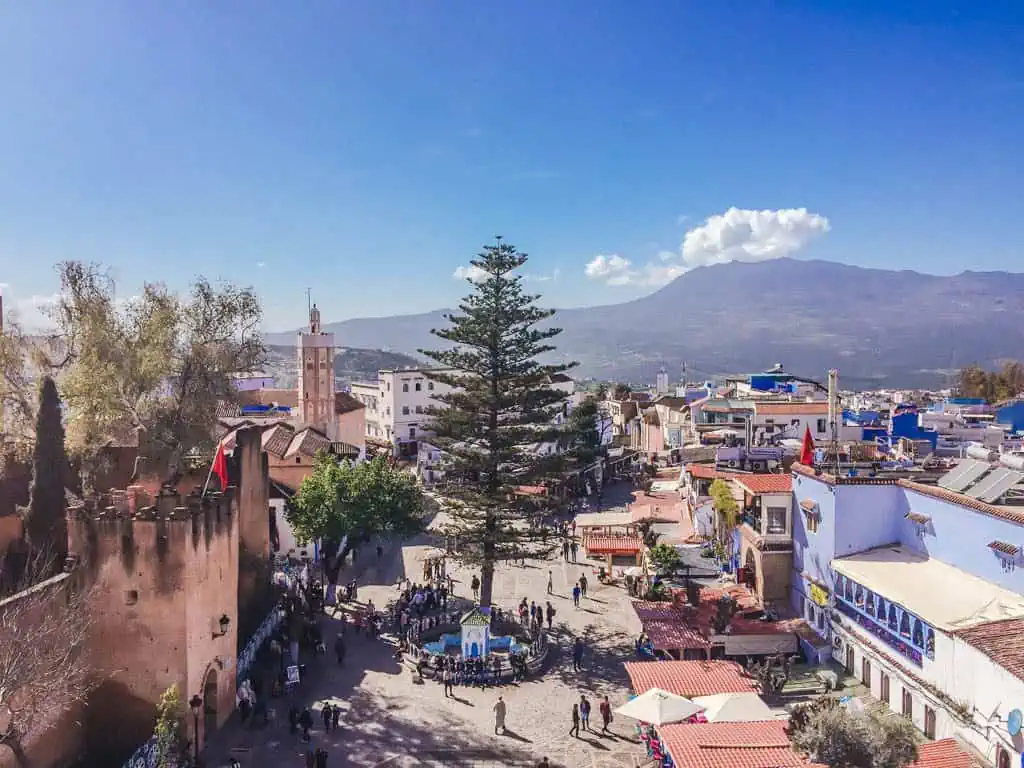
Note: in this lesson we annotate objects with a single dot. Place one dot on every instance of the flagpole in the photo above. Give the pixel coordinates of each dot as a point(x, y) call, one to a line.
point(209, 475)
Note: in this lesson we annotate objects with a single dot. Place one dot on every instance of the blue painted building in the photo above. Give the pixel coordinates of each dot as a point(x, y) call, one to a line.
point(903, 579)
point(1011, 414)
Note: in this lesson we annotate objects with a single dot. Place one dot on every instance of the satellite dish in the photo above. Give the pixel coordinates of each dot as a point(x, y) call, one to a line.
point(1014, 721)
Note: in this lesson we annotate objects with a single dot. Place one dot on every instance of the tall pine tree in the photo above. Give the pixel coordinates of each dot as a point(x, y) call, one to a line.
point(45, 524)
point(500, 407)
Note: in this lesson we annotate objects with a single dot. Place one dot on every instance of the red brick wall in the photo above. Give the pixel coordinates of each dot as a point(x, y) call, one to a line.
point(163, 583)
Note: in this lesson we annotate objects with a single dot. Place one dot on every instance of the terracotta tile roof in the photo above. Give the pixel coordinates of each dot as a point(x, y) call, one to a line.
point(1004, 547)
point(647, 610)
point(766, 483)
point(1001, 641)
point(731, 745)
point(789, 409)
point(689, 678)
point(944, 753)
point(674, 635)
point(344, 402)
point(708, 472)
point(1005, 513)
point(309, 442)
point(277, 439)
point(917, 517)
point(627, 545)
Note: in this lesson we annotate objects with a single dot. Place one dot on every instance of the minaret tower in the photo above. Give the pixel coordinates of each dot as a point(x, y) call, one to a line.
point(316, 376)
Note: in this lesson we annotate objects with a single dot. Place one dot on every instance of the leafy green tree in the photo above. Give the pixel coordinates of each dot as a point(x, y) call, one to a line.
point(993, 386)
point(587, 432)
point(664, 557)
point(155, 366)
point(725, 506)
point(15, 386)
point(621, 391)
point(168, 722)
point(44, 520)
point(354, 500)
point(833, 735)
point(500, 407)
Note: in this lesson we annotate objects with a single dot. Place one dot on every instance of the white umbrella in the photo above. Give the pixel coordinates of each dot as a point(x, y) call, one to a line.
point(659, 707)
point(734, 708)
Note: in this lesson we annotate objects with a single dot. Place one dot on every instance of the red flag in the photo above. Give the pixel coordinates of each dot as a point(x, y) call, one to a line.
point(220, 466)
point(807, 451)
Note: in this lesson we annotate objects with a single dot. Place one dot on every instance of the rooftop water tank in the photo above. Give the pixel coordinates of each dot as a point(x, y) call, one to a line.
point(1013, 461)
point(981, 453)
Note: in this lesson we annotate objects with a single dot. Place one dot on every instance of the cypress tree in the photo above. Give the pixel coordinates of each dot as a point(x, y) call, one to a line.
point(501, 406)
point(44, 520)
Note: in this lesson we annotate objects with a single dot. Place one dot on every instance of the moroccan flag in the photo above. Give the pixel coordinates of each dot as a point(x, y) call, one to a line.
point(807, 451)
point(220, 466)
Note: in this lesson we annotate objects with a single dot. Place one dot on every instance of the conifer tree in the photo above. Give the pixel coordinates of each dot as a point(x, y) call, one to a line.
point(500, 407)
point(45, 524)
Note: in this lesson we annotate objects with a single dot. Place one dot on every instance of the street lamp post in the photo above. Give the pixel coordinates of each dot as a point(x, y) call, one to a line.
point(196, 705)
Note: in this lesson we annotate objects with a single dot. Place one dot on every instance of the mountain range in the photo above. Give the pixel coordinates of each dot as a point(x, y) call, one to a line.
point(880, 328)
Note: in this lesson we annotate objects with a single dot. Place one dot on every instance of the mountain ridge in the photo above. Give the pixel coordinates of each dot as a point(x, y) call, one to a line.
point(880, 327)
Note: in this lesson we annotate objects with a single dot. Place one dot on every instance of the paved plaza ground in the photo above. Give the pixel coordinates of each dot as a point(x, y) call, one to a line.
point(390, 721)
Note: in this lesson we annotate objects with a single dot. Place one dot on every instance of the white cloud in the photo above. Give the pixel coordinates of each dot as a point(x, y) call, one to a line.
point(615, 270)
point(744, 235)
point(603, 267)
point(260, 264)
point(472, 273)
point(736, 235)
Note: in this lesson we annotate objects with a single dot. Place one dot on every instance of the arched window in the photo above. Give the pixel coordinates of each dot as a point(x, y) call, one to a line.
point(918, 636)
point(849, 591)
point(893, 622)
point(905, 625)
point(1002, 757)
point(859, 596)
point(869, 604)
point(881, 609)
point(405, 387)
point(930, 648)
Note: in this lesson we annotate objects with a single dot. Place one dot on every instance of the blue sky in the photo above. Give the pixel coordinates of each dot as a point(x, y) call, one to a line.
point(366, 149)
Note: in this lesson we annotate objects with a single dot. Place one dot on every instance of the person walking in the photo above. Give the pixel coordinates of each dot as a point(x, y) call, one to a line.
point(583, 584)
point(335, 716)
point(326, 714)
point(499, 715)
point(576, 595)
point(550, 613)
point(574, 548)
point(551, 584)
point(447, 677)
point(575, 730)
point(606, 714)
point(585, 712)
point(577, 655)
point(475, 586)
point(306, 722)
point(565, 550)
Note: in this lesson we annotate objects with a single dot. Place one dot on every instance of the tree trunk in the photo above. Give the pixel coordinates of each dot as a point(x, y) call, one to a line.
point(487, 566)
